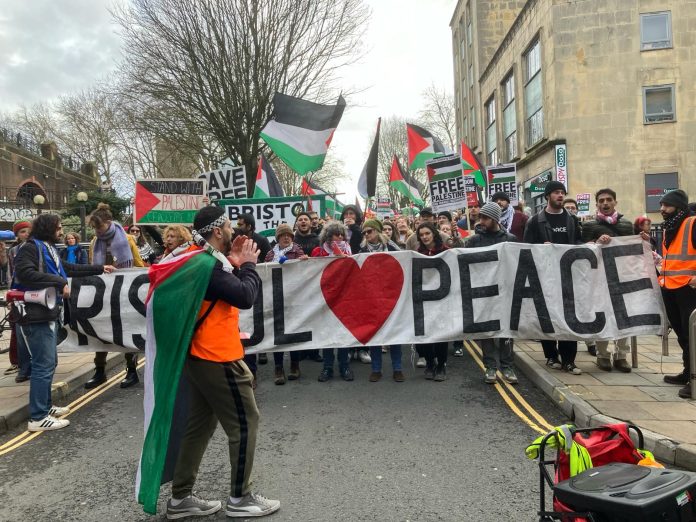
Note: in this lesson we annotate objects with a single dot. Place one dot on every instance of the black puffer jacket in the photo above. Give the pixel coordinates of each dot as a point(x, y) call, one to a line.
point(30, 271)
point(593, 229)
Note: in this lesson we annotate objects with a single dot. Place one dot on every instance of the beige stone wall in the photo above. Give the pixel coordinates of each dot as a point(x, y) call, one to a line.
point(593, 74)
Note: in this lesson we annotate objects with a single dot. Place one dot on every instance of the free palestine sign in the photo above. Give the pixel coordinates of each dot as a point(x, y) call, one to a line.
point(168, 201)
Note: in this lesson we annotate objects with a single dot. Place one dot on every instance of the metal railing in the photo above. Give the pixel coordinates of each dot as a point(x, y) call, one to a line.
point(25, 142)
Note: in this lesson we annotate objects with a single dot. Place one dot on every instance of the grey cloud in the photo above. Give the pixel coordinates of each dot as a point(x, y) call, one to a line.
point(50, 48)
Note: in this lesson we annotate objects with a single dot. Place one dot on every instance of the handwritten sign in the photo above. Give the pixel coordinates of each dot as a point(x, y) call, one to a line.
point(168, 201)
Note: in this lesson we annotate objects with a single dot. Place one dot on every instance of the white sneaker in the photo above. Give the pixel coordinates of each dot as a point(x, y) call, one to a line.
point(58, 411)
point(252, 505)
point(420, 363)
point(364, 357)
point(48, 423)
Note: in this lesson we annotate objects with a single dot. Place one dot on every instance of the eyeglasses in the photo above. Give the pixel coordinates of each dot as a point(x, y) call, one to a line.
point(134, 230)
point(368, 231)
point(339, 234)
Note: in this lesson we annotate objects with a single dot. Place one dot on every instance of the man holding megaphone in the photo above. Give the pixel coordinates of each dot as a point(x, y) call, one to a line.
point(43, 278)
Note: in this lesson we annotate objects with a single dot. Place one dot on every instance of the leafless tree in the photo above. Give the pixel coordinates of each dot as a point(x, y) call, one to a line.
point(438, 115)
point(393, 141)
point(208, 69)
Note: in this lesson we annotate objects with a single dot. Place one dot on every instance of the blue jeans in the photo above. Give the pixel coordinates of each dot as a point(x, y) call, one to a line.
point(40, 340)
point(329, 359)
point(394, 353)
point(23, 357)
point(494, 349)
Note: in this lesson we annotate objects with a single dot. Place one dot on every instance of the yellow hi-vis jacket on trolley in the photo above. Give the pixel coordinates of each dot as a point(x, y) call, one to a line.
point(579, 456)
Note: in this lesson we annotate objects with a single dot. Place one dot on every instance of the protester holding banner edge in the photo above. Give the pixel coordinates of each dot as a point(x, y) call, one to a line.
point(430, 244)
point(608, 223)
point(332, 243)
point(497, 353)
point(38, 266)
point(554, 224)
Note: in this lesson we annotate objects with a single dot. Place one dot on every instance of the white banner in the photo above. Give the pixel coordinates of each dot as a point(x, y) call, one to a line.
point(509, 290)
point(226, 183)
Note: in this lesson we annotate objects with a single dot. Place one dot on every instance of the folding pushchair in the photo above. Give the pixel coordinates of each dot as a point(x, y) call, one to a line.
point(593, 447)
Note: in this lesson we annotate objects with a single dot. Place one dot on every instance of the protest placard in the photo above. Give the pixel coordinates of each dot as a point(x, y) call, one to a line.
point(503, 178)
point(383, 208)
point(226, 183)
point(167, 201)
point(446, 183)
point(271, 212)
point(508, 290)
point(472, 198)
point(583, 201)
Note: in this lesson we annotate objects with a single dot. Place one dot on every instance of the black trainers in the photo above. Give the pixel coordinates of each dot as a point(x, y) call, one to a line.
point(680, 378)
point(347, 374)
point(440, 374)
point(325, 375)
point(554, 363)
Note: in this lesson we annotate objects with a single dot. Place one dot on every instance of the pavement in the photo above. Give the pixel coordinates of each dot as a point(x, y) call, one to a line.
point(593, 398)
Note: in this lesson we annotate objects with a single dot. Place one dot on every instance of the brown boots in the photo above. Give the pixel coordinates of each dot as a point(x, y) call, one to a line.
point(293, 375)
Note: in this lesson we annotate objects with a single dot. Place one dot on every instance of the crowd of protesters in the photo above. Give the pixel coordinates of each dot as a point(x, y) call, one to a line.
point(427, 233)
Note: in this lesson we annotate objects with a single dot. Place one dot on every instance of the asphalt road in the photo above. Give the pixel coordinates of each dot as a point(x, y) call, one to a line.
point(412, 451)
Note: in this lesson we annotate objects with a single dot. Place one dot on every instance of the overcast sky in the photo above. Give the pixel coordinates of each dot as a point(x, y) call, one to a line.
point(49, 48)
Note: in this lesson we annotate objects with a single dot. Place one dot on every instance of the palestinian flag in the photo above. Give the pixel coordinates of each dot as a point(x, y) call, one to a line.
point(400, 180)
point(367, 184)
point(300, 131)
point(422, 146)
point(444, 168)
point(177, 289)
point(310, 189)
point(267, 184)
point(165, 201)
point(472, 166)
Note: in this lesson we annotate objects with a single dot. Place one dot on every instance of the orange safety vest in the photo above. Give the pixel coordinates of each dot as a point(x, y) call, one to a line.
point(679, 260)
point(217, 338)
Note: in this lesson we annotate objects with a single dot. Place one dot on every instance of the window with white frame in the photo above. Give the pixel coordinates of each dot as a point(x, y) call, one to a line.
point(655, 31)
point(659, 104)
point(533, 94)
point(509, 117)
point(491, 138)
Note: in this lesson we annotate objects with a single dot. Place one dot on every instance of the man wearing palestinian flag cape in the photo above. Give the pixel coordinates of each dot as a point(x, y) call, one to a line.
point(192, 327)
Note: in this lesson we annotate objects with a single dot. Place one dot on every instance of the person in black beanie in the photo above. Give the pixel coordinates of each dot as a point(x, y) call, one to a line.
point(678, 275)
point(513, 221)
point(555, 224)
point(352, 218)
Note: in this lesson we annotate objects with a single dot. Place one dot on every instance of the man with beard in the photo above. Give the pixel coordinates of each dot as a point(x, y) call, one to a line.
point(608, 223)
point(220, 383)
point(554, 224)
point(678, 275)
point(497, 353)
point(304, 234)
point(246, 224)
point(513, 221)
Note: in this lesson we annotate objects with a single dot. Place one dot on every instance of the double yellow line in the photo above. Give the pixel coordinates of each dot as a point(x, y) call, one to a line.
point(530, 416)
point(27, 436)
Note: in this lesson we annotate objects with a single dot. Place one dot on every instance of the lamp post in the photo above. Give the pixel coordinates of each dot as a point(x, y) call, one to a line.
point(38, 201)
point(82, 198)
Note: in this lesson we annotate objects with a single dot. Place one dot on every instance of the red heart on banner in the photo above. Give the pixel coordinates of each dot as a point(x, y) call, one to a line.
point(363, 298)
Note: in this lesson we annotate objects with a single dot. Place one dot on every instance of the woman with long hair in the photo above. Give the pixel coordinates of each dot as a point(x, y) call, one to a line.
point(147, 254)
point(435, 354)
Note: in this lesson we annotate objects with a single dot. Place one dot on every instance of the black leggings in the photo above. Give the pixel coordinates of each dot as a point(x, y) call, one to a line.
point(433, 351)
point(278, 357)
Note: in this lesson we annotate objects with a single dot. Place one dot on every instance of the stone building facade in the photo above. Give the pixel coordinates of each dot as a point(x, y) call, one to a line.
point(605, 87)
point(28, 169)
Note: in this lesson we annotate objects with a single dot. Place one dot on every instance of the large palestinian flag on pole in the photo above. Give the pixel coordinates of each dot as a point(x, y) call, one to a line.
point(367, 184)
point(422, 146)
point(400, 180)
point(177, 289)
point(300, 131)
point(267, 184)
point(472, 166)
